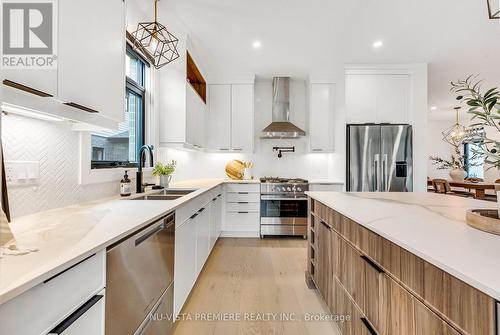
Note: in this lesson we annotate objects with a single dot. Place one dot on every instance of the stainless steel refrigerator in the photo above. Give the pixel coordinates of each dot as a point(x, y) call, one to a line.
point(379, 158)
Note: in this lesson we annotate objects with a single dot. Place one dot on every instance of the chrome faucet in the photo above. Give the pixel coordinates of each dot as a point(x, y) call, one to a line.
point(142, 160)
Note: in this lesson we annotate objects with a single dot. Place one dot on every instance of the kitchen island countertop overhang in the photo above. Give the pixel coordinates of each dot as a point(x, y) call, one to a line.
point(431, 226)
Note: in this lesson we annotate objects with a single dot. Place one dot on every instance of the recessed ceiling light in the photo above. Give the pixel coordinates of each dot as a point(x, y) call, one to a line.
point(257, 44)
point(433, 108)
point(378, 44)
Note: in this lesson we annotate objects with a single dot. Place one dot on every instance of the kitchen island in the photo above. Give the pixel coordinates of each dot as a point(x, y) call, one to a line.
point(403, 263)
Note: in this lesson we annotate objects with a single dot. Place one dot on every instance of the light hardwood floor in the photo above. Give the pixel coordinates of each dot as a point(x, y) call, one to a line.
point(254, 276)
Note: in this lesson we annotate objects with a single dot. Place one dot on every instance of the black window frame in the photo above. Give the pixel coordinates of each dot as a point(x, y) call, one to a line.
point(467, 157)
point(134, 87)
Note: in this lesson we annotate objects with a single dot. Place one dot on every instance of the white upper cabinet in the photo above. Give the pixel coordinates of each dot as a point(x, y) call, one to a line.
point(183, 110)
point(322, 117)
point(230, 117)
point(393, 98)
point(196, 116)
point(361, 98)
point(378, 98)
point(219, 117)
point(41, 80)
point(91, 68)
point(242, 117)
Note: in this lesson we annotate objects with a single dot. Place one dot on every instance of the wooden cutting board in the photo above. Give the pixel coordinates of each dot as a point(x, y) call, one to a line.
point(235, 169)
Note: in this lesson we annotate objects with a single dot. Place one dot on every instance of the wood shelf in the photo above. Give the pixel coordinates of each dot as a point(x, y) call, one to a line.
point(195, 78)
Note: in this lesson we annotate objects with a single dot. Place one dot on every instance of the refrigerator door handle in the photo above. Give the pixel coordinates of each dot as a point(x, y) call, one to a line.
point(376, 162)
point(385, 178)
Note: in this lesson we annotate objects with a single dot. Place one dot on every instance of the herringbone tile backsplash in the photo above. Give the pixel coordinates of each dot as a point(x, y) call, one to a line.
point(56, 147)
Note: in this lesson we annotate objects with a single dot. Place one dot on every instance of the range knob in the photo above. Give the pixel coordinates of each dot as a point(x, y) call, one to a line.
point(299, 189)
point(289, 189)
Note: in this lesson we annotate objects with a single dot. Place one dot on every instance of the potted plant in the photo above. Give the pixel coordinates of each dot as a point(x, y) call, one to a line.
point(164, 171)
point(457, 164)
point(484, 106)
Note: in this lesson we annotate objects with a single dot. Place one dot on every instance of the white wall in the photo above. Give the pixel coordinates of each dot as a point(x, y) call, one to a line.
point(437, 147)
point(55, 146)
point(194, 164)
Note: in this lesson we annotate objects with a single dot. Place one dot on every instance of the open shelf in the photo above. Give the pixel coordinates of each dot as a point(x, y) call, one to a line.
point(195, 78)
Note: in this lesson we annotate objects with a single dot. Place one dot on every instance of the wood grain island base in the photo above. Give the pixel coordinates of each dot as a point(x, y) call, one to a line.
point(386, 289)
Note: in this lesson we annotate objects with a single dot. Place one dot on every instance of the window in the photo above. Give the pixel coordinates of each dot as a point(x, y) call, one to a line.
point(120, 148)
point(474, 160)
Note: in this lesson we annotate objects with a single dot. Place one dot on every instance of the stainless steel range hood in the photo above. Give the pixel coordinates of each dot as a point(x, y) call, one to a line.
point(281, 127)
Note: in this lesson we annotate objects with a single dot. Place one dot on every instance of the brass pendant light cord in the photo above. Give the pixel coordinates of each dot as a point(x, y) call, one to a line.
point(156, 10)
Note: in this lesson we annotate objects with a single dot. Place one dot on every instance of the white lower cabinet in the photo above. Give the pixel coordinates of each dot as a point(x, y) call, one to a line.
point(194, 240)
point(202, 237)
point(185, 262)
point(242, 210)
point(88, 319)
point(215, 219)
point(50, 305)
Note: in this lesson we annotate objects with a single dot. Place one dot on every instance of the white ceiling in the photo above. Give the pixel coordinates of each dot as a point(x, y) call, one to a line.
point(317, 37)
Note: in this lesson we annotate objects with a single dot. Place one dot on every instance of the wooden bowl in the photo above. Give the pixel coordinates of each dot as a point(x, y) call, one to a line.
point(484, 219)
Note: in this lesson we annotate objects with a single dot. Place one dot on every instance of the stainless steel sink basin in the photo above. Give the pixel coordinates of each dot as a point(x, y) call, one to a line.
point(173, 191)
point(167, 194)
point(158, 197)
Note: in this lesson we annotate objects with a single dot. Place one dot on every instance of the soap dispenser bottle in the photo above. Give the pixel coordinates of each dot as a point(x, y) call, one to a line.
point(125, 186)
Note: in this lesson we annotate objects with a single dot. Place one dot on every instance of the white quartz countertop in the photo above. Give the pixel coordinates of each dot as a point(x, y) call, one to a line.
point(431, 226)
point(326, 181)
point(67, 235)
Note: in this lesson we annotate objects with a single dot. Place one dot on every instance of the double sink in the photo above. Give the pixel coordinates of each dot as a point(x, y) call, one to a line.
point(167, 194)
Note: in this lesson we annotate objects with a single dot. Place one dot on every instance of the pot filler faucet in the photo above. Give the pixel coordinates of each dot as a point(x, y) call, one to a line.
point(142, 160)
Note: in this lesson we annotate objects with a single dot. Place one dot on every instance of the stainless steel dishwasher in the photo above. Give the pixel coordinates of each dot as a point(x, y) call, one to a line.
point(140, 281)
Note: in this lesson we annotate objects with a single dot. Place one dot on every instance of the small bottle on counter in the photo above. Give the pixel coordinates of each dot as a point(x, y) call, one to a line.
point(125, 186)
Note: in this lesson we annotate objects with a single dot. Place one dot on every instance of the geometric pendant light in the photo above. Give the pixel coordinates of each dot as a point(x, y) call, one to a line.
point(157, 41)
point(494, 9)
point(456, 133)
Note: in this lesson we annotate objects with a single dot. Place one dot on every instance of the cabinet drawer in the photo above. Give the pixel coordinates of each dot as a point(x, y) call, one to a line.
point(88, 319)
point(243, 207)
point(244, 222)
point(464, 306)
point(351, 272)
point(241, 187)
point(242, 197)
point(427, 322)
point(396, 309)
point(52, 301)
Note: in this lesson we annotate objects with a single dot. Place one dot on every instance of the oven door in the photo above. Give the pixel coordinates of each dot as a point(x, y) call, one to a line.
point(281, 210)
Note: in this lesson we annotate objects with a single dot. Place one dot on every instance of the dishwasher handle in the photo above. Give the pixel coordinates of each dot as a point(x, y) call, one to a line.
point(149, 234)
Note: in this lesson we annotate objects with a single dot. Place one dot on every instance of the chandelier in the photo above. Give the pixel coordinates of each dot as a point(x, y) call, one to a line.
point(456, 133)
point(157, 41)
point(494, 9)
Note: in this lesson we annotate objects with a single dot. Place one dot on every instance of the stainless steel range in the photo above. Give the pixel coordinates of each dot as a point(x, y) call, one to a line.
point(283, 207)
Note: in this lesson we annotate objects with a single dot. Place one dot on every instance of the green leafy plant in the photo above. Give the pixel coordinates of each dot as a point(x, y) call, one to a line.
point(164, 169)
point(457, 161)
point(483, 106)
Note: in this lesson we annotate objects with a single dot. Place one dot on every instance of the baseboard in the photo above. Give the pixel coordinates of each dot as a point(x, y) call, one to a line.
point(243, 234)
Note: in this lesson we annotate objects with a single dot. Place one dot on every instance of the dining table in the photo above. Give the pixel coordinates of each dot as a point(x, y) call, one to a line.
point(479, 187)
